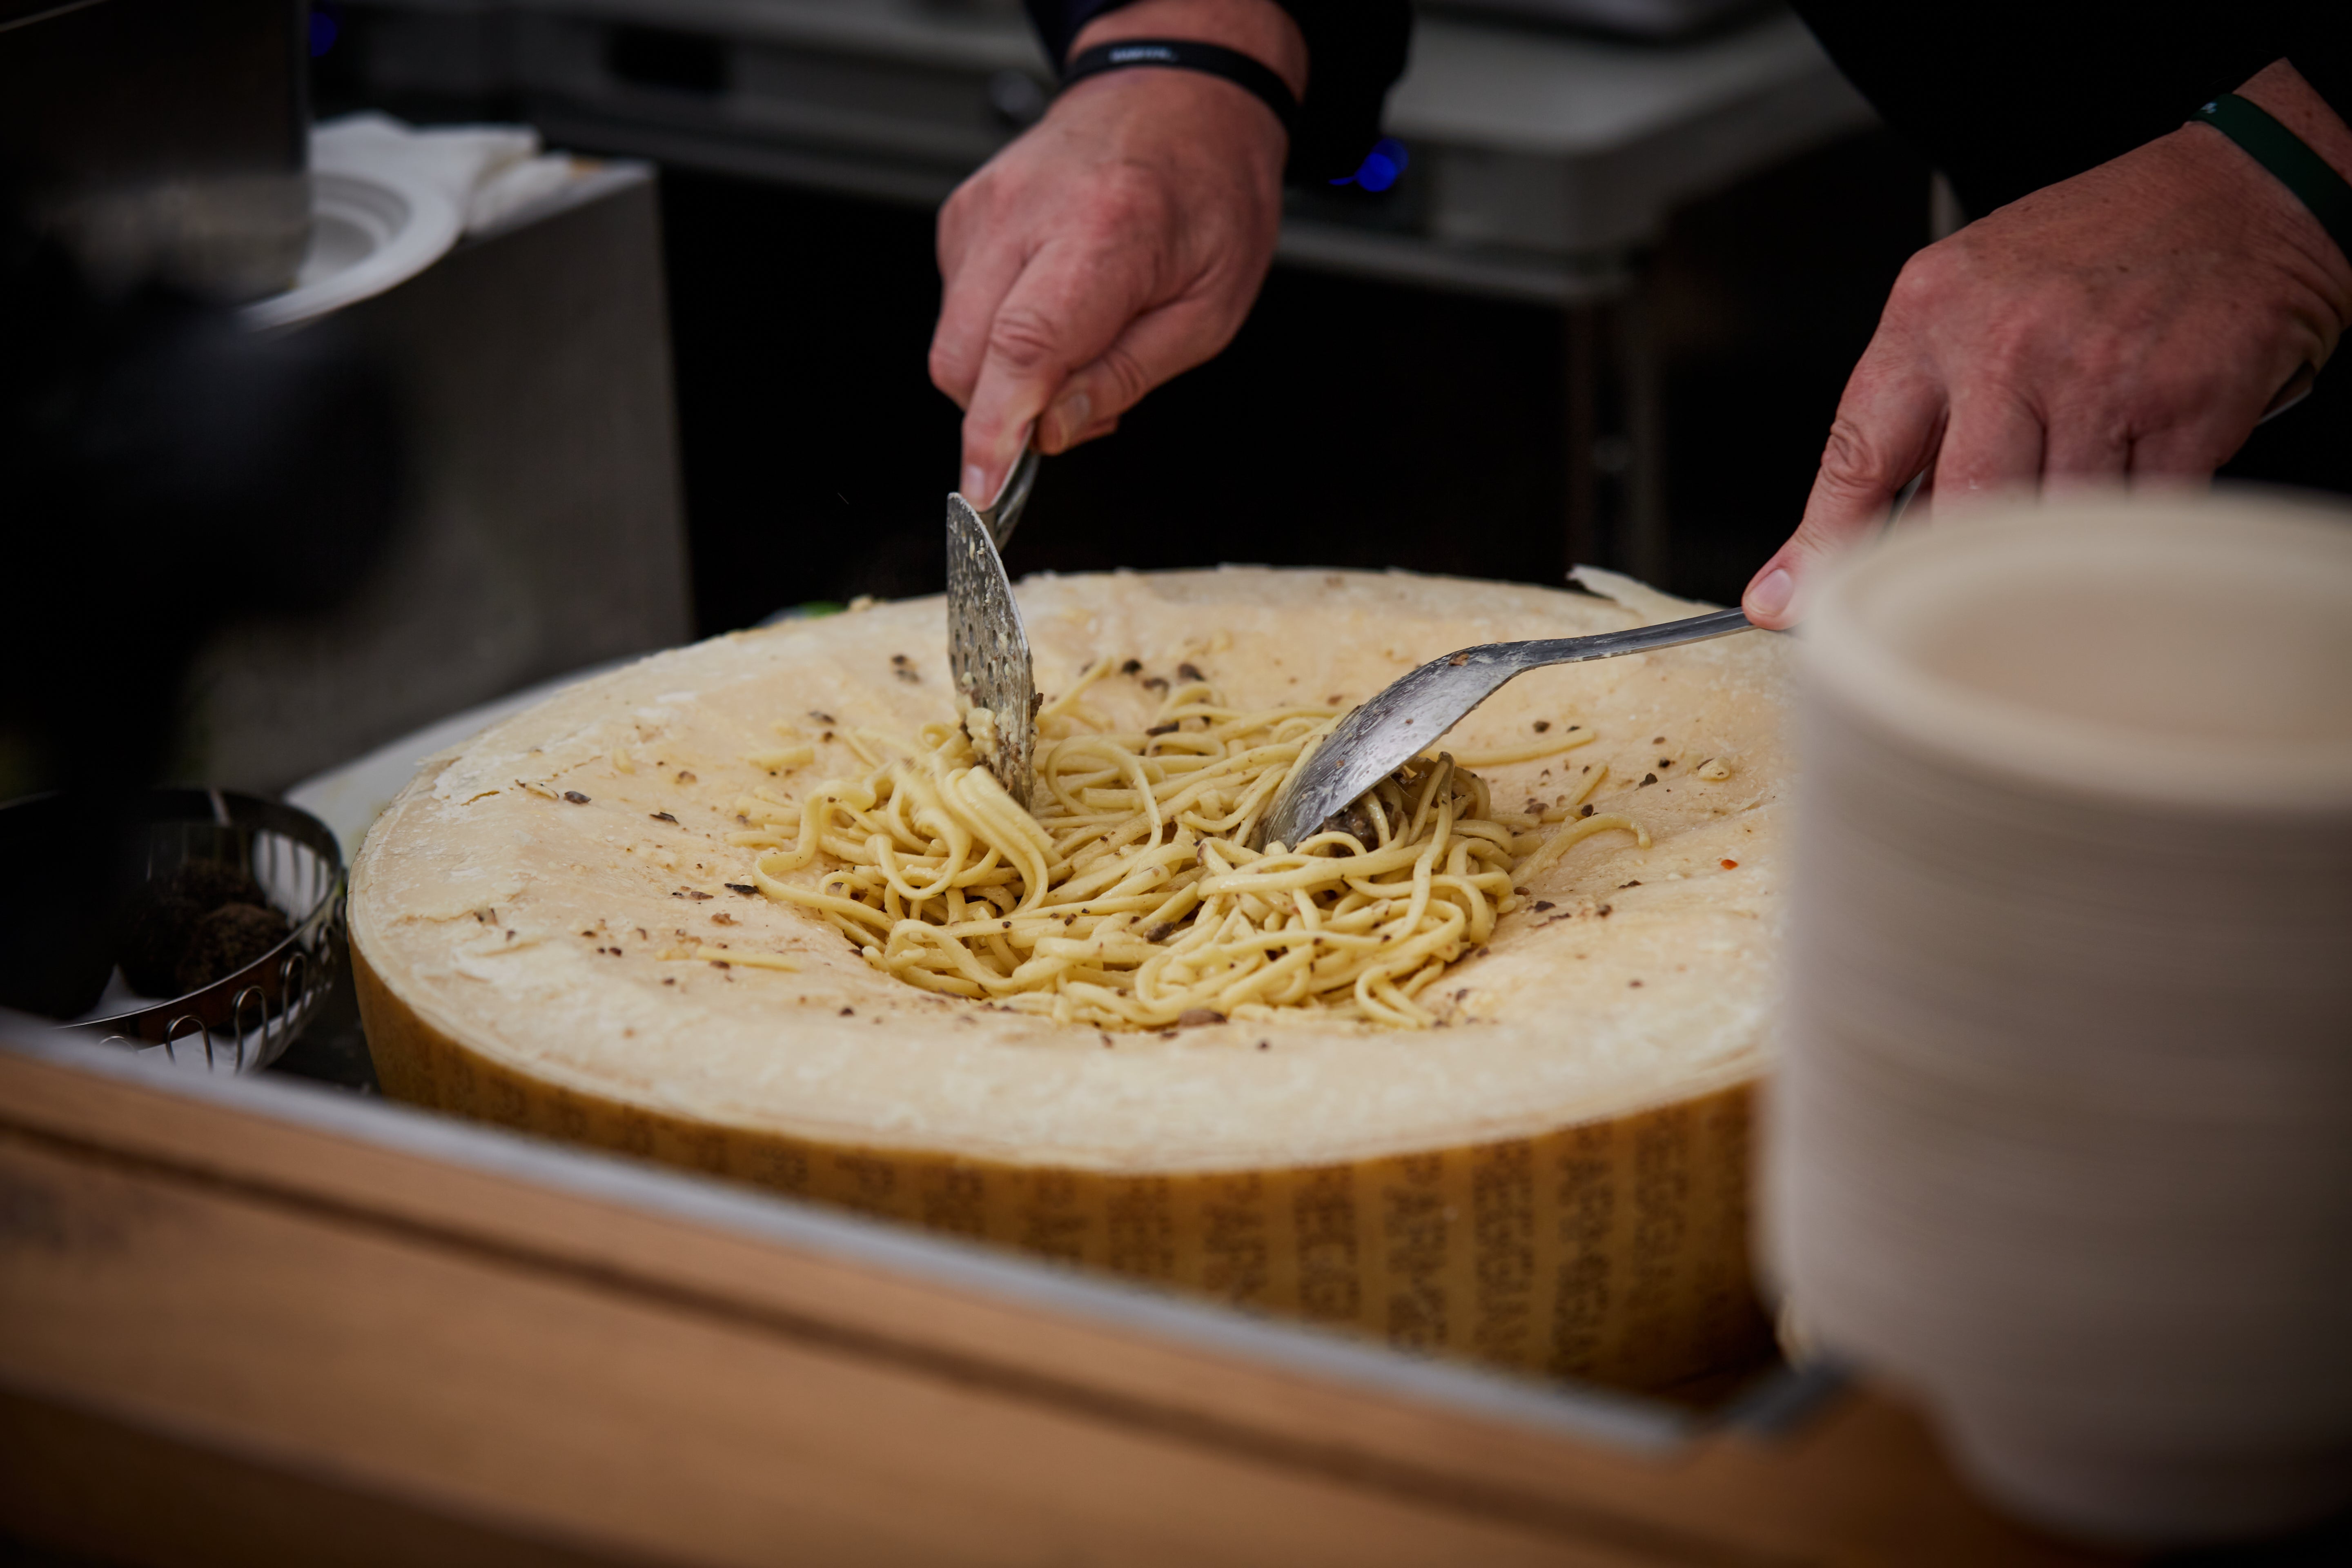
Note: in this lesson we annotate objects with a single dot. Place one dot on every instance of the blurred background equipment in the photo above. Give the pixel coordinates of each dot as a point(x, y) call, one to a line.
point(541, 531)
point(2063, 1134)
point(1597, 252)
point(162, 139)
point(276, 499)
point(169, 473)
point(1610, 298)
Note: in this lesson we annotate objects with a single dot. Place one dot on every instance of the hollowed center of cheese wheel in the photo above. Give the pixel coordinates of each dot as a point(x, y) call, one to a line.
point(1131, 898)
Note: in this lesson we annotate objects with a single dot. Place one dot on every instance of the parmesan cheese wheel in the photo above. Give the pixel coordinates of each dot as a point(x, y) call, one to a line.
point(1555, 1177)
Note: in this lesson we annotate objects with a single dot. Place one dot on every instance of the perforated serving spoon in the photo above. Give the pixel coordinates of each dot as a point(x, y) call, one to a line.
point(1407, 718)
point(988, 645)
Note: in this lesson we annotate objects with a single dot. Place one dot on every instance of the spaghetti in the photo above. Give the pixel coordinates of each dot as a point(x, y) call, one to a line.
point(1130, 899)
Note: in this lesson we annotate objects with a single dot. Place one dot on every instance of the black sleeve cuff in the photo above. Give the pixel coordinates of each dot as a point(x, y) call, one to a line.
point(2328, 69)
point(1355, 52)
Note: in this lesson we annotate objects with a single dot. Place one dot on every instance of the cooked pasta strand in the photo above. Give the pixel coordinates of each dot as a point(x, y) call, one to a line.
point(1131, 898)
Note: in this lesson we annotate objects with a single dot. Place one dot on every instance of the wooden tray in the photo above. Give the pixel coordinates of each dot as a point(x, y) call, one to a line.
point(251, 1320)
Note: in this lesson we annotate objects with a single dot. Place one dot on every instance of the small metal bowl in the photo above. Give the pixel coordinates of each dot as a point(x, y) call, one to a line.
point(245, 1021)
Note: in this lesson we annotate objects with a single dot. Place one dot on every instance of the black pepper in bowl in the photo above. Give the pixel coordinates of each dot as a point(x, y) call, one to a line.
point(226, 940)
point(161, 923)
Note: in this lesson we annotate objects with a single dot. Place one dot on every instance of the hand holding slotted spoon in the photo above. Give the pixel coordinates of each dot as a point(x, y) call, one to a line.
point(1406, 719)
point(988, 645)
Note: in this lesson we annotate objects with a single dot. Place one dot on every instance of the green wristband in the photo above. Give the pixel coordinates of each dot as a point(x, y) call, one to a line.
point(2286, 155)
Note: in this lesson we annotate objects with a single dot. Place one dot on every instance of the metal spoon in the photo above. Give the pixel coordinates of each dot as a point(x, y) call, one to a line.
point(1406, 719)
point(1002, 515)
point(988, 645)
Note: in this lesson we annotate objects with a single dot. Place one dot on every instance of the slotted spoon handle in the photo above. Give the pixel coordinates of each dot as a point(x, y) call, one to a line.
point(1001, 516)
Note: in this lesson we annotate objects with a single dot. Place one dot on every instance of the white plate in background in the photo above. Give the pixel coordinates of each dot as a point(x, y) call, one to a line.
point(368, 233)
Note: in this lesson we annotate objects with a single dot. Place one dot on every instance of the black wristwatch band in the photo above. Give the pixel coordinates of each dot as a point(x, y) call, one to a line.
point(2289, 159)
point(1182, 53)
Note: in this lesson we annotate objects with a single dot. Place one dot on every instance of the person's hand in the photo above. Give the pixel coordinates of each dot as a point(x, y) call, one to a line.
point(1117, 244)
point(2128, 325)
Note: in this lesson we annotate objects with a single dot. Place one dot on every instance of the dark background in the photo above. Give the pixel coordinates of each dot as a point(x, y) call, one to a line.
point(1351, 422)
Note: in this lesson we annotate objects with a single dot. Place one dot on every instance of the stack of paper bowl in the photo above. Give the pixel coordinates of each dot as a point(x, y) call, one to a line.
point(2065, 1134)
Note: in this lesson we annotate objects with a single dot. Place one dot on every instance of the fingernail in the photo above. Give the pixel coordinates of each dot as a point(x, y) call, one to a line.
point(1769, 594)
point(1071, 415)
point(974, 478)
